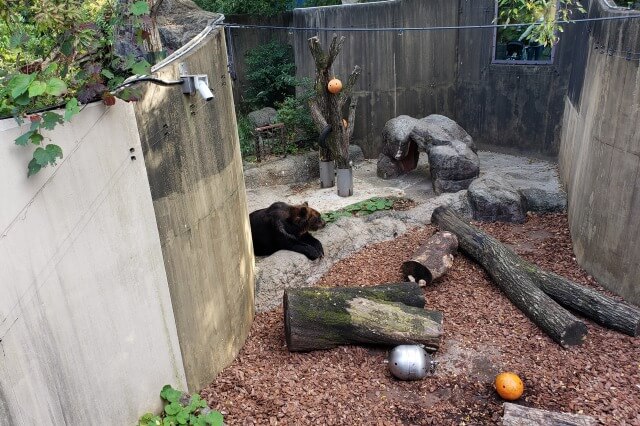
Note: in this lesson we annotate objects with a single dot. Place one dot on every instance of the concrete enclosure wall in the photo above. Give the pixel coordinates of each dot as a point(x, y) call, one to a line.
point(87, 334)
point(417, 73)
point(600, 152)
point(192, 154)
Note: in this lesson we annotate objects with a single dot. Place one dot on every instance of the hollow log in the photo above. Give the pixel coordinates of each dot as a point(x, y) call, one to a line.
point(323, 318)
point(516, 283)
point(433, 258)
point(602, 309)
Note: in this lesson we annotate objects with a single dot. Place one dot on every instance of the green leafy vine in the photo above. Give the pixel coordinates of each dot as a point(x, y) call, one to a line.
point(65, 53)
point(180, 409)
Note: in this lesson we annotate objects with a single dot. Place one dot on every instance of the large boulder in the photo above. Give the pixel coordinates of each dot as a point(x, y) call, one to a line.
point(452, 166)
point(493, 199)
point(263, 117)
point(179, 21)
point(395, 136)
point(437, 129)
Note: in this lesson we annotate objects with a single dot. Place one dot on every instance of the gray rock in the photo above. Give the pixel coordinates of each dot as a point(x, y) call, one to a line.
point(440, 130)
point(179, 21)
point(263, 117)
point(395, 136)
point(441, 186)
point(355, 154)
point(493, 198)
point(388, 168)
point(283, 171)
point(455, 161)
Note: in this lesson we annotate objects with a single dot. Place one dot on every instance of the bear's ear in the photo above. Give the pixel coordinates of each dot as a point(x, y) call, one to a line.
point(306, 204)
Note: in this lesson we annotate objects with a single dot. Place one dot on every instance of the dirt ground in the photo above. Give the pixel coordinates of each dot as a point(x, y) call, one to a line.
point(483, 335)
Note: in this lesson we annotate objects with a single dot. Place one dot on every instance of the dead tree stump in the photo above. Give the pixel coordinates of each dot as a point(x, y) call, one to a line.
point(323, 318)
point(433, 259)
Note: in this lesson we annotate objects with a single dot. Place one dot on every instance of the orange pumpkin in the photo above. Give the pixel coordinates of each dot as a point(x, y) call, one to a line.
point(509, 386)
point(334, 86)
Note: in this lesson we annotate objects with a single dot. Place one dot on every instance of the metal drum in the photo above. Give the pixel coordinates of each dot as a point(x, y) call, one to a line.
point(410, 362)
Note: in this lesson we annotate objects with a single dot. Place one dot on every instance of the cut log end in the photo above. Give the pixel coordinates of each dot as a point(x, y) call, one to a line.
point(575, 334)
point(416, 270)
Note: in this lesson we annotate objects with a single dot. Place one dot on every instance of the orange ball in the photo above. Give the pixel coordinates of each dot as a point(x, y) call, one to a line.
point(509, 386)
point(334, 86)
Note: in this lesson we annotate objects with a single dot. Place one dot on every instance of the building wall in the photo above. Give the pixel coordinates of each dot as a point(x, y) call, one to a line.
point(512, 108)
point(193, 161)
point(87, 332)
point(600, 152)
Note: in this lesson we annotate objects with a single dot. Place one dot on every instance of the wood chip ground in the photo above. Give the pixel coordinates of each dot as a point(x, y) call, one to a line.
point(484, 334)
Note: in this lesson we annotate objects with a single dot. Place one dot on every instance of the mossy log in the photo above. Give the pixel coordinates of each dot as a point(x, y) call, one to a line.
point(604, 310)
point(513, 279)
point(433, 258)
point(323, 318)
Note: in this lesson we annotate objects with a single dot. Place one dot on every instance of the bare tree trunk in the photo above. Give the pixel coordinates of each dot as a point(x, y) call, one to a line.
point(326, 107)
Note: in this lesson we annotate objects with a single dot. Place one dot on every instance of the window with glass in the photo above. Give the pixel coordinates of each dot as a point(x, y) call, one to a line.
point(529, 43)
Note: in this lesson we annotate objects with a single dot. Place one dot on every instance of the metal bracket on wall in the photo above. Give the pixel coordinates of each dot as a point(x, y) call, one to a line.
point(193, 82)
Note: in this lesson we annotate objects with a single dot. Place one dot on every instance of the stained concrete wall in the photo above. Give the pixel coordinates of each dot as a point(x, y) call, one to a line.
point(513, 108)
point(192, 154)
point(87, 333)
point(600, 153)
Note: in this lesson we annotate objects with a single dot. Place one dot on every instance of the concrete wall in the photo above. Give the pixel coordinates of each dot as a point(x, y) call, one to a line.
point(600, 153)
point(192, 154)
point(512, 108)
point(87, 333)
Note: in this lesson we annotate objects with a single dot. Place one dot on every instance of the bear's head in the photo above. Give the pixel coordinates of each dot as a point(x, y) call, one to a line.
point(306, 218)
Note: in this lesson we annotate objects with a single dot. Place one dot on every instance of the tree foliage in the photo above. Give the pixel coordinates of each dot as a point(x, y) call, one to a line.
point(544, 14)
point(270, 74)
point(63, 53)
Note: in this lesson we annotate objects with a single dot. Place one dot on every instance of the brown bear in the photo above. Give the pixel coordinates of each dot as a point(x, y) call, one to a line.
point(282, 226)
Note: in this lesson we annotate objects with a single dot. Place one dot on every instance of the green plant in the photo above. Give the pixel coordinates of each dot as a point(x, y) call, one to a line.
point(176, 412)
point(245, 135)
point(270, 74)
point(254, 7)
point(63, 53)
point(294, 113)
point(361, 208)
point(545, 13)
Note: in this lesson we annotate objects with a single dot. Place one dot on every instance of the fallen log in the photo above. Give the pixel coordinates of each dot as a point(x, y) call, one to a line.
point(517, 415)
point(604, 310)
point(323, 318)
point(516, 283)
point(433, 258)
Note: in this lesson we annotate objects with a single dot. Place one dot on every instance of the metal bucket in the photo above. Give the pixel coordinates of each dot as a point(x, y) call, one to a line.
point(327, 174)
point(345, 182)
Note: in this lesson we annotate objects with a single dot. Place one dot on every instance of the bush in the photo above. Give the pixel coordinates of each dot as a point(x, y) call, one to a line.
point(245, 134)
point(270, 75)
point(254, 7)
point(294, 113)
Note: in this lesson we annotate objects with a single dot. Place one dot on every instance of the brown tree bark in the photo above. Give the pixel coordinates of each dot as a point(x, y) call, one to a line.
point(432, 259)
point(513, 279)
point(517, 415)
point(604, 310)
point(326, 108)
point(323, 318)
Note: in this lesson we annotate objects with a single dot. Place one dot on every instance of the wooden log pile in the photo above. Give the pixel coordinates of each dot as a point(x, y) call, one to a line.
point(541, 295)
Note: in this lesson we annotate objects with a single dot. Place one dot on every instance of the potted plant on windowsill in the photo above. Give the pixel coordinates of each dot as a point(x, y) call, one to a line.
point(57, 56)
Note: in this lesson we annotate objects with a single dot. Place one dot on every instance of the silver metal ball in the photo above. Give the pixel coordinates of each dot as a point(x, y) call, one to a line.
point(410, 362)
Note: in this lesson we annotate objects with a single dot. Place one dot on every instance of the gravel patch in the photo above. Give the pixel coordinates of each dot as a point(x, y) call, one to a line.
point(484, 334)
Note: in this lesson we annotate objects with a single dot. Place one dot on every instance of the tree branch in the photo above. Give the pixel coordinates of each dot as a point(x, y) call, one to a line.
point(348, 88)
